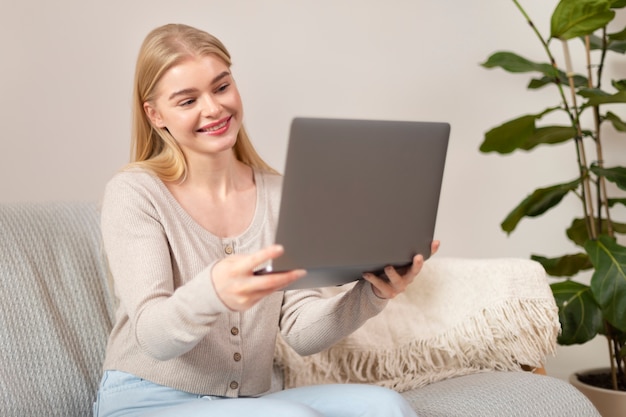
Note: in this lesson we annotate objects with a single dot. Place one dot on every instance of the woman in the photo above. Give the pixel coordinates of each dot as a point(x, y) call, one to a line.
point(184, 227)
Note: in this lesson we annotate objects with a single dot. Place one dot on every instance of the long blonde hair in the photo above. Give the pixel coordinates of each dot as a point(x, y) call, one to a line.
point(153, 148)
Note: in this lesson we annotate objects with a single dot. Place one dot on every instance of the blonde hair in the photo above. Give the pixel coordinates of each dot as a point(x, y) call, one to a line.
point(153, 148)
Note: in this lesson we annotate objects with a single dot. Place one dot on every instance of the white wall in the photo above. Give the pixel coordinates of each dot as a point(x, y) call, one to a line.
point(66, 75)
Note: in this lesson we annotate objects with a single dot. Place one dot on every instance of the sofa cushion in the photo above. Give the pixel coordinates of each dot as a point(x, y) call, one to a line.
point(461, 316)
point(54, 316)
point(499, 394)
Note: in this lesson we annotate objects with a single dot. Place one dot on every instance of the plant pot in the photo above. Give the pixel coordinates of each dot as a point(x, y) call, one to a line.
point(610, 403)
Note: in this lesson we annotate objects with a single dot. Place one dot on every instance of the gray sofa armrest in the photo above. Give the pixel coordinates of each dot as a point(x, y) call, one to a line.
point(55, 313)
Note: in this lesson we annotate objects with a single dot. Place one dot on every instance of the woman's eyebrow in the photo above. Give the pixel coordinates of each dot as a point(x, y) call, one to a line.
point(194, 90)
point(182, 92)
point(220, 76)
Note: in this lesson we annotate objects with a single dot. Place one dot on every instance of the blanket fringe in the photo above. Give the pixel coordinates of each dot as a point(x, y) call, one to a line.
point(500, 338)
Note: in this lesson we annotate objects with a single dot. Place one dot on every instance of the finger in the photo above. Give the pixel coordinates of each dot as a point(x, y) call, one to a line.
point(375, 279)
point(434, 247)
point(416, 266)
point(269, 282)
point(379, 285)
point(393, 275)
point(277, 280)
point(250, 290)
point(252, 261)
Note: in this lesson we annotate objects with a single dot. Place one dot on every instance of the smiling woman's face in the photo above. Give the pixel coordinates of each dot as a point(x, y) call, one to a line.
point(199, 104)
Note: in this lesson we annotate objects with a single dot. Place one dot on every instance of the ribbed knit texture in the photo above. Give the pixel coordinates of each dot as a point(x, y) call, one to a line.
point(172, 328)
point(54, 312)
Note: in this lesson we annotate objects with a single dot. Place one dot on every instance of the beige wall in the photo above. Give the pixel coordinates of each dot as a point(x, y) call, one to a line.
point(66, 73)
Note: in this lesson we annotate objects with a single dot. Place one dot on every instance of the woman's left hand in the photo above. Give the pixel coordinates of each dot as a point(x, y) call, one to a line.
point(395, 283)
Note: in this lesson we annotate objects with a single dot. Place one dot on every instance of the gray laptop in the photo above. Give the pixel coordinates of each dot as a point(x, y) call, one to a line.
point(358, 195)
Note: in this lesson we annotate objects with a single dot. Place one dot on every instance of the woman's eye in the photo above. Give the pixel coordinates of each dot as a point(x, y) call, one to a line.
point(187, 102)
point(222, 87)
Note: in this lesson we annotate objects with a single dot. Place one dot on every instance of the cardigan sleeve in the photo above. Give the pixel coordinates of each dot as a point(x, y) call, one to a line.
point(310, 323)
point(166, 321)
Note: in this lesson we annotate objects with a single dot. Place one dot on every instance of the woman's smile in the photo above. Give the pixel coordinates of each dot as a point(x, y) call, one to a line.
point(216, 128)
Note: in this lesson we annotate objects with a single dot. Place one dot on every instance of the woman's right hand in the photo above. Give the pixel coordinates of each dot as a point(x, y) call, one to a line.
point(239, 288)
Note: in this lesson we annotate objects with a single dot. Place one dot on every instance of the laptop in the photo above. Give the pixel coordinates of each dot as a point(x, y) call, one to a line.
point(358, 195)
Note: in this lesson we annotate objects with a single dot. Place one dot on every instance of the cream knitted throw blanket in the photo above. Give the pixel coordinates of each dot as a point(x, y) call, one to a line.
point(460, 316)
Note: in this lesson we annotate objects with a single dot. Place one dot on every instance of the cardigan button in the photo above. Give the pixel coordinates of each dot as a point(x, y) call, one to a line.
point(228, 249)
point(234, 331)
point(234, 385)
point(237, 357)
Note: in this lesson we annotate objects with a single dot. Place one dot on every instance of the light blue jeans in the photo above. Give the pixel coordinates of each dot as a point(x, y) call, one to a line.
point(123, 394)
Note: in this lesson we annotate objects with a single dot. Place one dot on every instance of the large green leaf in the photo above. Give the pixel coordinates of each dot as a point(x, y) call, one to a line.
point(616, 121)
point(616, 175)
point(580, 316)
point(574, 18)
point(597, 96)
point(521, 133)
point(564, 266)
point(512, 62)
point(548, 135)
point(614, 201)
point(578, 233)
point(620, 85)
point(536, 83)
point(619, 97)
point(617, 46)
point(540, 201)
point(509, 136)
point(592, 92)
point(617, 36)
point(608, 282)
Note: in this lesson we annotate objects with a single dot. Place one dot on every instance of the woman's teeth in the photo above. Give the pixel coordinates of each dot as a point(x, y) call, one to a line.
point(214, 128)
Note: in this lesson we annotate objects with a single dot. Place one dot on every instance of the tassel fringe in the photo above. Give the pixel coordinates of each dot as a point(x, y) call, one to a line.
point(500, 338)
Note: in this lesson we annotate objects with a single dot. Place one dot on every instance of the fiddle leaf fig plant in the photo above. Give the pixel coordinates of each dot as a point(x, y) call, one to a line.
point(591, 111)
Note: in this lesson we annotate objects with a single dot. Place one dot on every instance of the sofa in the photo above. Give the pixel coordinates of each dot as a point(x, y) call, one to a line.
point(56, 313)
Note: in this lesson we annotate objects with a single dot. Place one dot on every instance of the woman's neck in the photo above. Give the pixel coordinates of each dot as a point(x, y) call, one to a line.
point(217, 177)
point(219, 197)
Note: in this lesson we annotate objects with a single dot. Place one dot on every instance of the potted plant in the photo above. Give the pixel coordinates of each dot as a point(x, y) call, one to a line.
point(587, 111)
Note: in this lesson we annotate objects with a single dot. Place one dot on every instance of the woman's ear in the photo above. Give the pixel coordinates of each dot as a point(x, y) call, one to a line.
point(153, 115)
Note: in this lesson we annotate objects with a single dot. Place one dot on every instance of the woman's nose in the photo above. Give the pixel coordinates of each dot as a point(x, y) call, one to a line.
point(210, 106)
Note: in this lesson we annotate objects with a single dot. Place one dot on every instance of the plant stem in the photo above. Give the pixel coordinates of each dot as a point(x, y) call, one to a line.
point(546, 48)
point(604, 50)
point(573, 115)
point(580, 149)
point(601, 183)
point(612, 346)
point(621, 362)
